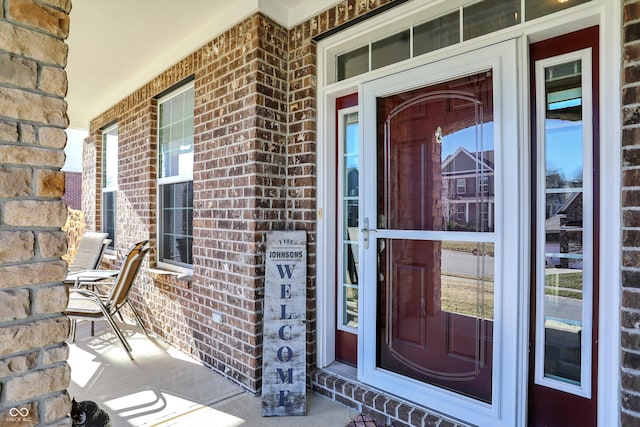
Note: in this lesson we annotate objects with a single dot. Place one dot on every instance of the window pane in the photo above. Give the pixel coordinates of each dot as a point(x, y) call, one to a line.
point(177, 222)
point(175, 131)
point(563, 223)
point(537, 8)
point(390, 50)
point(350, 313)
point(353, 63)
point(488, 16)
point(109, 182)
point(436, 34)
point(109, 215)
point(110, 158)
point(437, 311)
point(350, 211)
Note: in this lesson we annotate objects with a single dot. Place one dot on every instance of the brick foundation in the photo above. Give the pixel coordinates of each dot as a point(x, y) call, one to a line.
point(383, 408)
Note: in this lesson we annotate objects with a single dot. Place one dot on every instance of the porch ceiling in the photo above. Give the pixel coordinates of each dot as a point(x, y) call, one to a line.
point(116, 46)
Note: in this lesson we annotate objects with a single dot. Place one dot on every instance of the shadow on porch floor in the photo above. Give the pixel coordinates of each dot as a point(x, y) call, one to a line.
point(165, 387)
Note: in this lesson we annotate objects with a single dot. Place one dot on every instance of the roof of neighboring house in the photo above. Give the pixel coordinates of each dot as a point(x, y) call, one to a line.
point(464, 161)
point(557, 222)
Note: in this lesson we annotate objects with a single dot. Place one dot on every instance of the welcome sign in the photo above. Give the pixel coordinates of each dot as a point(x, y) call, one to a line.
point(284, 390)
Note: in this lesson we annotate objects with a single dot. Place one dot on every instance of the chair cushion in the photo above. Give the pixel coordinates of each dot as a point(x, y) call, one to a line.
point(83, 306)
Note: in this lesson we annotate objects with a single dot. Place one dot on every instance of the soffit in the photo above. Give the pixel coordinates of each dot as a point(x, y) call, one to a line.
point(117, 46)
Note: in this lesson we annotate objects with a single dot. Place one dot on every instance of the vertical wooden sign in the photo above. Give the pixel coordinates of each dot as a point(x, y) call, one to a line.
point(284, 390)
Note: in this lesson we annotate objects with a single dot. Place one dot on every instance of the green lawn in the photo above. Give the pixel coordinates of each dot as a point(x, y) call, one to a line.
point(470, 247)
point(564, 284)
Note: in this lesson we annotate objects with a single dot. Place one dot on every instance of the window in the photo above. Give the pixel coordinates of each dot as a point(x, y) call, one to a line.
point(436, 34)
point(478, 19)
point(390, 50)
point(537, 8)
point(109, 182)
point(461, 186)
point(461, 213)
point(349, 193)
point(565, 223)
point(488, 16)
point(483, 219)
point(175, 178)
point(484, 185)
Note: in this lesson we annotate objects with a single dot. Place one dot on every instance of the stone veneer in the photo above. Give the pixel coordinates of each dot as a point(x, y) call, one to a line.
point(34, 374)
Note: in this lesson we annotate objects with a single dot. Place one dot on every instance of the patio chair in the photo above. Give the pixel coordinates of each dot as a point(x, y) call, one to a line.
point(90, 252)
point(86, 304)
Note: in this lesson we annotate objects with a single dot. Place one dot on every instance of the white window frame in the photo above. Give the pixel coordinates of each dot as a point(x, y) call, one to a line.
point(606, 14)
point(461, 214)
point(584, 389)
point(186, 269)
point(483, 185)
point(341, 216)
point(461, 186)
point(113, 189)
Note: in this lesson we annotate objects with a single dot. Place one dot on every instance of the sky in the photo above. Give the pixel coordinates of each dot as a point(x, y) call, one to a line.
point(73, 150)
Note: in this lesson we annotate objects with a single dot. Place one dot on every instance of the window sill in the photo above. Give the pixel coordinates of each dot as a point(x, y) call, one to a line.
point(181, 278)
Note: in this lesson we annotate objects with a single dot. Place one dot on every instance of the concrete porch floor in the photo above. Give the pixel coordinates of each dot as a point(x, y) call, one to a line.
point(165, 387)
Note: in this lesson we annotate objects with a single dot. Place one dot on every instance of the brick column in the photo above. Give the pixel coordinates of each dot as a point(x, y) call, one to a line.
point(34, 374)
point(630, 399)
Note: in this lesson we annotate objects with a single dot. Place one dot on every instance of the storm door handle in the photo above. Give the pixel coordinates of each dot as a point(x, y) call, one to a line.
point(365, 230)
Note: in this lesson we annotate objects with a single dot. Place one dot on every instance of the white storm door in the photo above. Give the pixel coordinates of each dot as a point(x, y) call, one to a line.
point(439, 306)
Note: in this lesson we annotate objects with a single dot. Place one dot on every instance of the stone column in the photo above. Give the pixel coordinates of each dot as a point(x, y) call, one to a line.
point(34, 374)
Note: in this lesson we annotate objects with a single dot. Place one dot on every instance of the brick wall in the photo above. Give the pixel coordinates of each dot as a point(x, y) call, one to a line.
point(239, 167)
point(34, 374)
point(73, 190)
point(254, 171)
point(630, 394)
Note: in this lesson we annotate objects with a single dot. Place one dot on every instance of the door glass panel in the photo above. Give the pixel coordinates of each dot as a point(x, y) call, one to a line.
point(435, 294)
point(443, 162)
point(348, 318)
point(562, 289)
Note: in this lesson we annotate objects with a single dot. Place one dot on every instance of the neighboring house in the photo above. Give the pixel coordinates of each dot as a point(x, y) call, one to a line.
point(432, 307)
point(563, 233)
point(73, 190)
point(468, 190)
